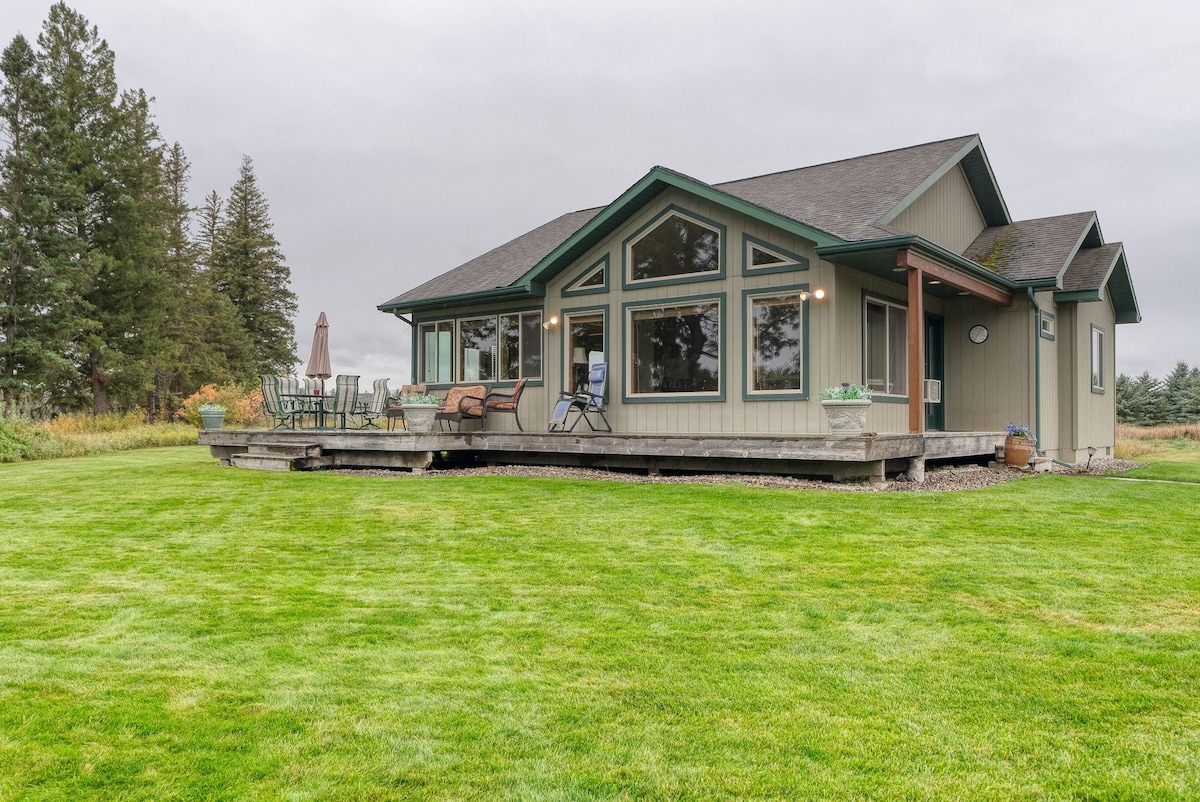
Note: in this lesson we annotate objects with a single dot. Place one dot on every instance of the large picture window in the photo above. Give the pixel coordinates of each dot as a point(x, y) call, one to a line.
point(885, 329)
point(674, 246)
point(776, 327)
point(481, 348)
point(676, 349)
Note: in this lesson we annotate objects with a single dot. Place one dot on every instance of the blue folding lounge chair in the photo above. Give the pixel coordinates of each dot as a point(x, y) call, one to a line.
point(585, 404)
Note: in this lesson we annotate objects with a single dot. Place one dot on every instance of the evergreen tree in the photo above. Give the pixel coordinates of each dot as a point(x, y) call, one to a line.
point(37, 273)
point(1176, 395)
point(249, 270)
point(210, 230)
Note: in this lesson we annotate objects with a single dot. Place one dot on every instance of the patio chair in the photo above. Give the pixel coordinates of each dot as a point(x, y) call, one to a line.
point(373, 409)
point(273, 408)
point(584, 403)
point(395, 412)
point(345, 398)
point(505, 402)
point(463, 403)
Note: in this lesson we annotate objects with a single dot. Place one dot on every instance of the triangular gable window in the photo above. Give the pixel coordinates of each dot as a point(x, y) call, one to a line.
point(594, 279)
point(765, 258)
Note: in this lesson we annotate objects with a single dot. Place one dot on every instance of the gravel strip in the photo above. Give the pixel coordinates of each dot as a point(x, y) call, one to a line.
point(939, 479)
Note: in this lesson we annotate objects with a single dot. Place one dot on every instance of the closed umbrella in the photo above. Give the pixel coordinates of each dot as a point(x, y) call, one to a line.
point(318, 360)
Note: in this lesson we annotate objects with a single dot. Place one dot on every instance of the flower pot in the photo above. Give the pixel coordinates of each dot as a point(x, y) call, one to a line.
point(1018, 451)
point(847, 417)
point(212, 420)
point(419, 417)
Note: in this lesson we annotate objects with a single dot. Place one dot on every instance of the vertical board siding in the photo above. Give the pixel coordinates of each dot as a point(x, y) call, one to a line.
point(946, 213)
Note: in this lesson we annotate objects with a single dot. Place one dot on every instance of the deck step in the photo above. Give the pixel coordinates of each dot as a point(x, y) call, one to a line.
point(279, 462)
point(295, 450)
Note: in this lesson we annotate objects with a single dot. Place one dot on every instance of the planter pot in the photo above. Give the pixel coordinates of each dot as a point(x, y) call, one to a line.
point(1018, 451)
point(419, 417)
point(212, 420)
point(847, 417)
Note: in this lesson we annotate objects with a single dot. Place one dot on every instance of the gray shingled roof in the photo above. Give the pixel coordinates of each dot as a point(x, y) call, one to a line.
point(843, 198)
point(1031, 250)
point(847, 198)
point(1090, 267)
point(501, 266)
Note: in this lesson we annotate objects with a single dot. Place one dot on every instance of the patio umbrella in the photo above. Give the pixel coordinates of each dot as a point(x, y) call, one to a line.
point(318, 360)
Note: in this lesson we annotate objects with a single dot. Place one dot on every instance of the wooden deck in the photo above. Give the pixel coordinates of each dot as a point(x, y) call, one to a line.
point(870, 456)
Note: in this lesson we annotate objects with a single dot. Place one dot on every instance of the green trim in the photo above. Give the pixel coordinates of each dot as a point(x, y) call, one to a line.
point(573, 287)
point(979, 177)
point(1083, 237)
point(933, 178)
point(747, 363)
point(797, 262)
point(494, 295)
point(455, 320)
point(674, 398)
point(925, 248)
point(563, 366)
point(1077, 295)
point(672, 210)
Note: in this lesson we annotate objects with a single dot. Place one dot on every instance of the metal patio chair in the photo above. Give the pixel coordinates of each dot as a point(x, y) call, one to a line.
point(583, 403)
point(495, 402)
point(345, 398)
point(280, 415)
point(376, 407)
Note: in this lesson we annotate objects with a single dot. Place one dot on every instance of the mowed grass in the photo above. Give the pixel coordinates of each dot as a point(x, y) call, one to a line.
point(170, 629)
point(1175, 459)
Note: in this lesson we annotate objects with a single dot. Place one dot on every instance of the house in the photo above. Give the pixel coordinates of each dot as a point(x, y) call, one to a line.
point(725, 308)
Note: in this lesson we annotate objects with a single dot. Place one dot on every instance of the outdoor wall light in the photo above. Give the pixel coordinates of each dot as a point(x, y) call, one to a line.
point(818, 294)
point(553, 321)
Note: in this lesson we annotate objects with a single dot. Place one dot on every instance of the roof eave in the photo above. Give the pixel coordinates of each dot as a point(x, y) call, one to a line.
point(926, 248)
point(533, 289)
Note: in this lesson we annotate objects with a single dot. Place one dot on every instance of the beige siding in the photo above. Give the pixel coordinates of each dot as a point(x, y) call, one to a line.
point(1094, 413)
point(988, 385)
point(946, 213)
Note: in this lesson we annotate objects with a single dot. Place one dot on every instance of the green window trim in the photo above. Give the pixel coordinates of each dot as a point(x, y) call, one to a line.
point(448, 344)
point(748, 391)
point(564, 341)
point(1047, 326)
point(627, 329)
point(1097, 359)
point(627, 245)
point(586, 282)
point(788, 261)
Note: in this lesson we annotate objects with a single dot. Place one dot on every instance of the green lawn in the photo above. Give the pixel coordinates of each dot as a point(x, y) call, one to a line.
point(1169, 460)
point(173, 630)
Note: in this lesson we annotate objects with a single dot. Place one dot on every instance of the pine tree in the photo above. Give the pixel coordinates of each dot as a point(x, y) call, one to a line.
point(37, 274)
point(1176, 396)
point(249, 270)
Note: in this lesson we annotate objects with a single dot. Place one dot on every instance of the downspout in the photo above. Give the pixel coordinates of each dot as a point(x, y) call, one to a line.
point(1037, 370)
point(413, 349)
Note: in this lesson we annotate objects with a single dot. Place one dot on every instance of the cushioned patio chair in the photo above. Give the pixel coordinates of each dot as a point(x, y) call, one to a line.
point(372, 410)
point(345, 399)
point(495, 402)
point(463, 404)
point(583, 404)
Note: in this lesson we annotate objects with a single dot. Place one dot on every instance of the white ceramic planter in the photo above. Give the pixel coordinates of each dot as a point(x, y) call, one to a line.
point(419, 417)
point(847, 417)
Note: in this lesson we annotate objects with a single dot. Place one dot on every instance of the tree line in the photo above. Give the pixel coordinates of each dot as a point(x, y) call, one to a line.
point(1146, 401)
point(114, 291)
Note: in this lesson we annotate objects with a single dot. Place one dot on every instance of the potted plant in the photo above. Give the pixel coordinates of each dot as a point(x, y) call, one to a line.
point(1019, 445)
point(846, 407)
point(212, 415)
point(419, 411)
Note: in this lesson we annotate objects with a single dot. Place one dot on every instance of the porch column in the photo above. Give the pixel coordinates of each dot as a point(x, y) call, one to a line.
point(916, 343)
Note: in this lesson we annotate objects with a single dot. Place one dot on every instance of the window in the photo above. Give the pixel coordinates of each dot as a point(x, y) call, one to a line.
point(776, 327)
point(885, 329)
point(488, 348)
point(762, 257)
point(676, 245)
point(436, 351)
point(585, 346)
point(676, 349)
point(1097, 359)
point(592, 280)
point(1046, 325)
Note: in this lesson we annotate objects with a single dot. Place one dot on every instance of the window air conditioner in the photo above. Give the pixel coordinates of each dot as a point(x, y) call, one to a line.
point(933, 391)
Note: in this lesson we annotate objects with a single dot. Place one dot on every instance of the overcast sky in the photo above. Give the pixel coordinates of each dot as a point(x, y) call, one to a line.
point(396, 140)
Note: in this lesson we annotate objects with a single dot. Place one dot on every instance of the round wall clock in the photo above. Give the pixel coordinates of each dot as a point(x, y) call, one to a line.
point(978, 334)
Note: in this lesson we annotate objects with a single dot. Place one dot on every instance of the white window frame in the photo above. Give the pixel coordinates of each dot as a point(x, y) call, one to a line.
point(1097, 359)
point(717, 301)
point(889, 305)
point(662, 219)
point(751, 349)
point(422, 353)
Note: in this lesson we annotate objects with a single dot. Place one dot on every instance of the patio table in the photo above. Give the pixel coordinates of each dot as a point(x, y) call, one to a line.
point(306, 404)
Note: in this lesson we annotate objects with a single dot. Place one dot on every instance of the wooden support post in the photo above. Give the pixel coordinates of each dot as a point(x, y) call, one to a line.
point(916, 345)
